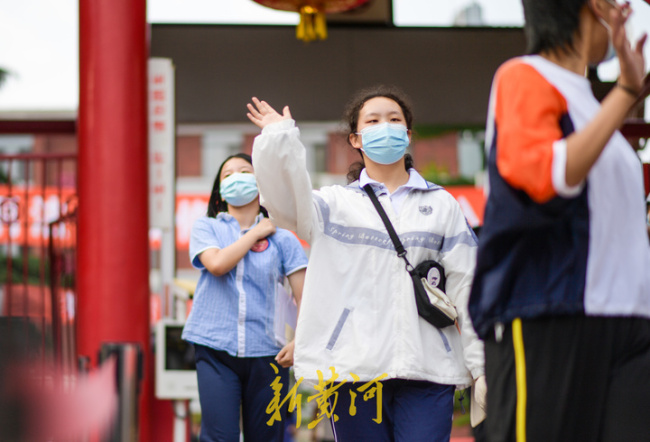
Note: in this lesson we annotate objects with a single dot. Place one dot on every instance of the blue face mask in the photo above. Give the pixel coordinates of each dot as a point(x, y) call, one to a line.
point(239, 189)
point(384, 143)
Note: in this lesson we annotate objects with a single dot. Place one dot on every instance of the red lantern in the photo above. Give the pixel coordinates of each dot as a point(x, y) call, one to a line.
point(312, 14)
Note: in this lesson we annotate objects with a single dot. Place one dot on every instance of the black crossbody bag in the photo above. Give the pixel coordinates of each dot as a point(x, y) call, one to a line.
point(428, 277)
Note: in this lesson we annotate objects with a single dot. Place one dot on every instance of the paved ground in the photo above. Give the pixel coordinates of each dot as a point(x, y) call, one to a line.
point(458, 434)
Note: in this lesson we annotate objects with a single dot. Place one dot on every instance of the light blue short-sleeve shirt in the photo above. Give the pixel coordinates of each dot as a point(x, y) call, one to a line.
point(235, 312)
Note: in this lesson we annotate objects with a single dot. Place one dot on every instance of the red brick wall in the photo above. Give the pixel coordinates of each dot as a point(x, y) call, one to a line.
point(188, 155)
point(247, 143)
point(441, 150)
point(55, 144)
point(340, 154)
point(67, 173)
point(183, 259)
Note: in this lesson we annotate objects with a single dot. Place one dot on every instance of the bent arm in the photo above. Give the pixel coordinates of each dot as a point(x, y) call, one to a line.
point(221, 261)
point(585, 146)
point(534, 154)
point(297, 282)
point(279, 160)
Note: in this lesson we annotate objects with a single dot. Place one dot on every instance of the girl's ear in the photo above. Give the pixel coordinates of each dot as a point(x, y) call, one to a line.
point(598, 8)
point(355, 141)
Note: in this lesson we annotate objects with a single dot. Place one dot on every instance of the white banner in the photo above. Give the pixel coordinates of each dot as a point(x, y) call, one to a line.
point(162, 143)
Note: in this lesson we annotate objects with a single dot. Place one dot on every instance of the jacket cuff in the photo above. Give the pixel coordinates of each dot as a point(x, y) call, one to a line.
point(478, 371)
point(279, 126)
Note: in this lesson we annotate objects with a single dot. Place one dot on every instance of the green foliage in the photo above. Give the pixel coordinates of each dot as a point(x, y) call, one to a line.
point(18, 270)
point(3, 76)
point(425, 131)
point(461, 419)
point(440, 175)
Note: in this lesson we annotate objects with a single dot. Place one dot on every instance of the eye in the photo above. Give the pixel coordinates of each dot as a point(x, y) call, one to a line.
point(397, 119)
point(374, 120)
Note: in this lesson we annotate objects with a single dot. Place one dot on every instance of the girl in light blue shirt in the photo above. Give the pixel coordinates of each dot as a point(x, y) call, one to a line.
point(243, 258)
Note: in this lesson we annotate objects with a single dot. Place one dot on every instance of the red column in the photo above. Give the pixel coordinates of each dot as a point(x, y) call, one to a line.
point(113, 255)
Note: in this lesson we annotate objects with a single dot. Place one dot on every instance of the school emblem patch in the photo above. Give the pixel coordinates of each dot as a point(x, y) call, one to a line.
point(426, 210)
point(260, 245)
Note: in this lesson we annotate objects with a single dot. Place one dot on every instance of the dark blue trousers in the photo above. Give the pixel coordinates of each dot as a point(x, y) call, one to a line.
point(225, 384)
point(412, 411)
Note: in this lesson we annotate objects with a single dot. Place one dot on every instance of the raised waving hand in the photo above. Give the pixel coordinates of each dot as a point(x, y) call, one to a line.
point(630, 56)
point(262, 114)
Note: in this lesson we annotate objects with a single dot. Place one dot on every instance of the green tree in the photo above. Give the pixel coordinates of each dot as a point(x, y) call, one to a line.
point(440, 175)
point(4, 74)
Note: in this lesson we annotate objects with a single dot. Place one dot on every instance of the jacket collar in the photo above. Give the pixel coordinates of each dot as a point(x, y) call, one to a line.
point(416, 181)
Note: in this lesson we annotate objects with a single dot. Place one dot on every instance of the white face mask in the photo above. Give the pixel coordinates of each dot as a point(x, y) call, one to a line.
point(611, 52)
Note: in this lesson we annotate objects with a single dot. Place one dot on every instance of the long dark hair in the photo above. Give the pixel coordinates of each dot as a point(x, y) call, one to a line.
point(216, 204)
point(351, 117)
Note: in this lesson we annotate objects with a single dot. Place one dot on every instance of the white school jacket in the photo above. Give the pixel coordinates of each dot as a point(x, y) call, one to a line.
point(358, 314)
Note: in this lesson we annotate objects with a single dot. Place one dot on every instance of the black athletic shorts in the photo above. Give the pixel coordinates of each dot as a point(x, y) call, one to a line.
point(569, 378)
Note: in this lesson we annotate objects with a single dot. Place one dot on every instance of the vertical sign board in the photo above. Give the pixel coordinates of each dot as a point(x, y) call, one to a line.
point(161, 143)
point(162, 168)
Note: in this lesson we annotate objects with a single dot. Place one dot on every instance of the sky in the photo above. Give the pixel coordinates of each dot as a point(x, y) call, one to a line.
point(40, 37)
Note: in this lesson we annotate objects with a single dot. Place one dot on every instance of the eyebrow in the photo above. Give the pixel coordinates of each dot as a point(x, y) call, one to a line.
point(372, 114)
point(228, 170)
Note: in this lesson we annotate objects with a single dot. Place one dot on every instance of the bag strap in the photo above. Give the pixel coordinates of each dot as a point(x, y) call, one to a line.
point(399, 247)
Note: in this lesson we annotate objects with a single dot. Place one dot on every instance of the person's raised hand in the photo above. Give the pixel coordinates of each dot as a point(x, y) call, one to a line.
point(630, 58)
point(264, 228)
point(262, 114)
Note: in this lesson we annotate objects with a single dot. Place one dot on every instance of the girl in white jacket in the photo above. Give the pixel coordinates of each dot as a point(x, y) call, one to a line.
point(391, 374)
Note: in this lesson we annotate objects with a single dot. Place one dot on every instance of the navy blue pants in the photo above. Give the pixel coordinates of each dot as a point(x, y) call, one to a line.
point(412, 411)
point(225, 384)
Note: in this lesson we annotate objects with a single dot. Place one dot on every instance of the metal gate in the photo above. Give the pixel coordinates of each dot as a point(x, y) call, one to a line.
point(38, 236)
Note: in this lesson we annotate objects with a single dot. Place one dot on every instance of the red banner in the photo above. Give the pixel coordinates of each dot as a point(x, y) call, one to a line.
point(33, 210)
point(26, 214)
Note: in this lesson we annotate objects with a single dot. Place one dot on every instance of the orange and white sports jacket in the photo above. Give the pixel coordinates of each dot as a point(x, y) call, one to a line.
point(547, 248)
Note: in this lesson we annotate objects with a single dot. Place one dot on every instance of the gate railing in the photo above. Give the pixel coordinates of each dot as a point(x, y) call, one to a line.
point(38, 200)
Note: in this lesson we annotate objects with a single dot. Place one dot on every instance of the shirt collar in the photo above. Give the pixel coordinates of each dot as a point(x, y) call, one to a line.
point(415, 181)
point(225, 216)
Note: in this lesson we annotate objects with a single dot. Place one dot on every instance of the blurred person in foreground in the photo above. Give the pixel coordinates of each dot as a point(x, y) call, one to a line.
point(39, 402)
point(561, 293)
